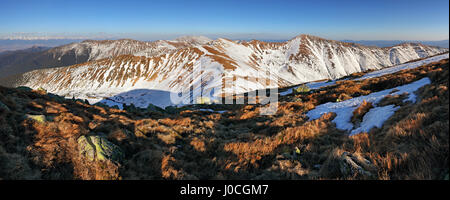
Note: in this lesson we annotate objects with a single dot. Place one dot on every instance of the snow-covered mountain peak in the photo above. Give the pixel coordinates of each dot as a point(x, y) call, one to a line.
point(168, 65)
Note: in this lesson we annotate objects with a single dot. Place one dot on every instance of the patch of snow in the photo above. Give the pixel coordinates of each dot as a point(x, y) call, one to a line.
point(321, 84)
point(206, 110)
point(344, 110)
point(141, 98)
point(375, 118)
point(293, 47)
point(211, 110)
point(287, 92)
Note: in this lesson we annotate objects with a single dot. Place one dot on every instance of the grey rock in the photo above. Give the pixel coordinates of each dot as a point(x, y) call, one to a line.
point(349, 164)
point(97, 148)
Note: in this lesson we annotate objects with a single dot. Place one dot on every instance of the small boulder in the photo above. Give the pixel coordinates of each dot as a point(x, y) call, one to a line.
point(37, 118)
point(41, 90)
point(297, 151)
point(97, 148)
point(301, 89)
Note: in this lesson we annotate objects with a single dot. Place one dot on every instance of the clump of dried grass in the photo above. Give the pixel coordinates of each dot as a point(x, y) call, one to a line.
point(359, 112)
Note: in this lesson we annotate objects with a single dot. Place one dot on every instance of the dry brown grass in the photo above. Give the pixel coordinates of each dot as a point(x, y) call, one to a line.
point(359, 113)
point(198, 145)
point(240, 144)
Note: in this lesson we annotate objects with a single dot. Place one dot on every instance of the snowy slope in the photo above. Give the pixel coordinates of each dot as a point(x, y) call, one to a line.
point(100, 49)
point(205, 65)
point(374, 74)
point(375, 117)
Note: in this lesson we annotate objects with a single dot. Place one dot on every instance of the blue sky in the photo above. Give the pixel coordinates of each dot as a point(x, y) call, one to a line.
point(244, 19)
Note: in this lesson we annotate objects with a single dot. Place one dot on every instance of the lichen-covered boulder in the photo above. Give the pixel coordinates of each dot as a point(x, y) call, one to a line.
point(301, 89)
point(41, 90)
point(37, 118)
point(97, 148)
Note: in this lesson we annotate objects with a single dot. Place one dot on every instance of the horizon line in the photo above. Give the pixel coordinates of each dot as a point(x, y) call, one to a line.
point(212, 38)
point(153, 36)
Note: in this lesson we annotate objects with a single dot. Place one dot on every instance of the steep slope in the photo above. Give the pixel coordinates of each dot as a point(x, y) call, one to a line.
point(99, 49)
point(209, 68)
point(89, 50)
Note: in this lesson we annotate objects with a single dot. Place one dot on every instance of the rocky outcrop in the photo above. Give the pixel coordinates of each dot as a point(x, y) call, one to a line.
point(97, 148)
point(37, 118)
point(350, 164)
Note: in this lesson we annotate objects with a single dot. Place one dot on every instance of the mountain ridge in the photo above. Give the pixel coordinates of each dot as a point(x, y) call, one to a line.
point(80, 52)
point(302, 59)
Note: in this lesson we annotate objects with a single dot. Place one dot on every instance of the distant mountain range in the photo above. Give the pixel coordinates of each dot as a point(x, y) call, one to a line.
point(389, 43)
point(13, 45)
point(17, 62)
point(101, 69)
